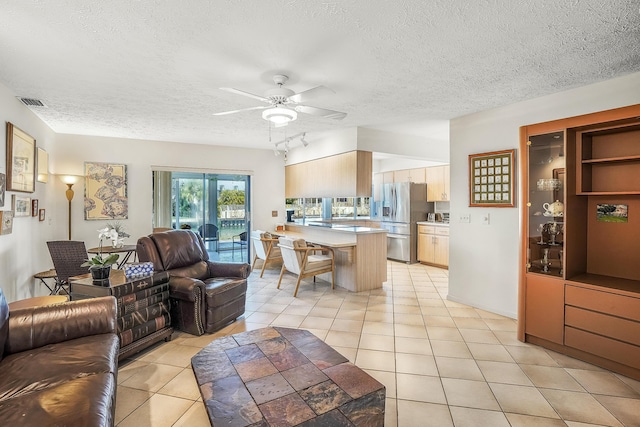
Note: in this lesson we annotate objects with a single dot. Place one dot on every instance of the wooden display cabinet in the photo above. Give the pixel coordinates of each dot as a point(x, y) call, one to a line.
point(579, 289)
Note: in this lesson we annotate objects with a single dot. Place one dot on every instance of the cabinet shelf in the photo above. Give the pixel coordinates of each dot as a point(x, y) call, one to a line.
point(612, 159)
point(629, 287)
point(609, 193)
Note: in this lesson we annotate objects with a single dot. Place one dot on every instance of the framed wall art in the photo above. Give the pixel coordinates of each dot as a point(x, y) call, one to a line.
point(105, 191)
point(34, 207)
point(3, 186)
point(41, 214)
point(21, 206)
point(43, 165)
point(491, 177)
point(6, 222)
point(21, 160)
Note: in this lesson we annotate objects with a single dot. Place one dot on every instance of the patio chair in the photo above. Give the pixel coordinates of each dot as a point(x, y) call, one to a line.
point(209, 233)
point(239, 239)
point(67, 257)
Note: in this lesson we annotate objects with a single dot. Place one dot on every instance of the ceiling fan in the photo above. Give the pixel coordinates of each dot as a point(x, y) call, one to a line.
point(283, 105)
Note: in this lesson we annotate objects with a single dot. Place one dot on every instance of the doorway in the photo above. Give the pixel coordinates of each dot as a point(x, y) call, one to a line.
point(216, 206)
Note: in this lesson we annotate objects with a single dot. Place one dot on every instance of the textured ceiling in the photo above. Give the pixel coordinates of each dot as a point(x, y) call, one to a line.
point(152, 69)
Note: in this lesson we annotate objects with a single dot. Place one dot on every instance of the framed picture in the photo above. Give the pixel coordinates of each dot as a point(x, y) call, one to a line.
point(6, 222)
point(21, 160)
point(34, 207)
point(3, 186)
point(41, 215)
point(491, 179)
point(105, 191)
point(608, 212)
point(43, 165)
point(21, 206)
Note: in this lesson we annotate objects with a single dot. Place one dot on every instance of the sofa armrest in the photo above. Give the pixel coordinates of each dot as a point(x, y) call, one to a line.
point(185, 288)
point(228, 269)
point(34, 327)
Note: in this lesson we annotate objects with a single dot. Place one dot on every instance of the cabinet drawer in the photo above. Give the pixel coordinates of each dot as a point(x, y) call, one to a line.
point(443, 231)
point(602, 324)
point(611, 349)
point(426, 229)
point(604, 302)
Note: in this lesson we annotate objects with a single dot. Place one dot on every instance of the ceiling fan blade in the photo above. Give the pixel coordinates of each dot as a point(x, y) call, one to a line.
point(322, 112)
point(311, 94)
point(243, 93)
point(243, 109)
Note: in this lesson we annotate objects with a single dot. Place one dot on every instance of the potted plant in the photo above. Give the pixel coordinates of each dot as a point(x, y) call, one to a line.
point(99, 265)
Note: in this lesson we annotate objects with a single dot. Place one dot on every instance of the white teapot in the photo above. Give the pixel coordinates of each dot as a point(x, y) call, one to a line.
point(554, 209)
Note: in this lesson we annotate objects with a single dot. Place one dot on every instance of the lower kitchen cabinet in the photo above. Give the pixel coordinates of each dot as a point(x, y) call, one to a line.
point(433, 244)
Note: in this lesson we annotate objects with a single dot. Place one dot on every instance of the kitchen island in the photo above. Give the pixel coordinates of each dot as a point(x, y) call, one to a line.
point(360, 252)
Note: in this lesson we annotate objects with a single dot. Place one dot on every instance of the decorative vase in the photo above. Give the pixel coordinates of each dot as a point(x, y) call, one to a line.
point(100, 274)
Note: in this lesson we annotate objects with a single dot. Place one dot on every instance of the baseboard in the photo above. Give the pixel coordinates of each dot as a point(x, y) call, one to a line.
point(454, 298)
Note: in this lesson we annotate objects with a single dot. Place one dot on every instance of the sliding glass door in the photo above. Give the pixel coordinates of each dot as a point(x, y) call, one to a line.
point(216, 206)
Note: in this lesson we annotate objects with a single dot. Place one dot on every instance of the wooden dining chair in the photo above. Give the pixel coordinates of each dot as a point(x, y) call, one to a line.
point(265, 248)
point(305, 260)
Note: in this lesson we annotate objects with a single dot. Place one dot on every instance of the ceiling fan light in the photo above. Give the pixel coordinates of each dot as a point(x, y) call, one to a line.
point(279, 115)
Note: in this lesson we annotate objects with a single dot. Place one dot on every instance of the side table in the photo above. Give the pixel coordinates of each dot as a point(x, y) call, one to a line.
point(38, 301)
point(50, 274)
point(142, 306)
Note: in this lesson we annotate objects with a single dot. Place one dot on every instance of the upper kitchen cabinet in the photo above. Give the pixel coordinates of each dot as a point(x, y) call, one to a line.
point(343, 175)
point(438, 183)
point(416, 175)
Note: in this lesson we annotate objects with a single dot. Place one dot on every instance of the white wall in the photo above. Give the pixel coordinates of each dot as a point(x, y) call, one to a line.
point(266, 170)
point(404, 145)
point(484, 259)
point(400, 148)
point(23, 252)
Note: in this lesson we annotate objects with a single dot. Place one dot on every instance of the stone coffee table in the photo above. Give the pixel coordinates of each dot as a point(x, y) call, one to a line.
point(284, 377)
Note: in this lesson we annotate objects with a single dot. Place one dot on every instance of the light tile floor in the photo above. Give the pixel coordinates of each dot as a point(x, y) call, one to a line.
point(443, 363)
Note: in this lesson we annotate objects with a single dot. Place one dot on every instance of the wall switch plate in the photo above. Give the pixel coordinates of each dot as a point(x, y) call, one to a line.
point(464, 218)
point(274, 213)
point(485, 219)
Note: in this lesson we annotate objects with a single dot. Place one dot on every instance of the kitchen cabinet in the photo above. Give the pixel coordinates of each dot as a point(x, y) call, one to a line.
point(438, 183)
point(579, 289)
point(343, 175)
point(416, 175)
point(433, 244)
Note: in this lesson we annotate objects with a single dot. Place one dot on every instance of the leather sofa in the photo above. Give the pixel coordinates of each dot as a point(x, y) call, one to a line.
point(58, 364)
point(205, 295)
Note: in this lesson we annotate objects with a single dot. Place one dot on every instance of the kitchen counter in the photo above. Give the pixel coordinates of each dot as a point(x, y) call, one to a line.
point(437, 224)
point(361, 252)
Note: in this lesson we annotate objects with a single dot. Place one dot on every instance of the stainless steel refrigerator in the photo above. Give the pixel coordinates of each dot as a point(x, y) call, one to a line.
point(403, 204)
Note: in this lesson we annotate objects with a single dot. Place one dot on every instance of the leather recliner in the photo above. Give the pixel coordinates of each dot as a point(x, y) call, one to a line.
point(59, 364)
point(205, 295)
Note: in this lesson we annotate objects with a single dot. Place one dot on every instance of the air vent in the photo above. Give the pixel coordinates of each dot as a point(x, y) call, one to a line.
point(31, 102)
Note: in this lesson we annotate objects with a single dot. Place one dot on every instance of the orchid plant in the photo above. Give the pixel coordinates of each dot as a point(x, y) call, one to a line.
point(99, 260)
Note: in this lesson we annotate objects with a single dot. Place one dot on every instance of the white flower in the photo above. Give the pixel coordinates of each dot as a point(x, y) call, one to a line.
point(108, 233)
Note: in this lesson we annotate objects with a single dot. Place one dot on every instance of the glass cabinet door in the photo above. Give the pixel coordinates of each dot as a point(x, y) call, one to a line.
point(545, 204)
